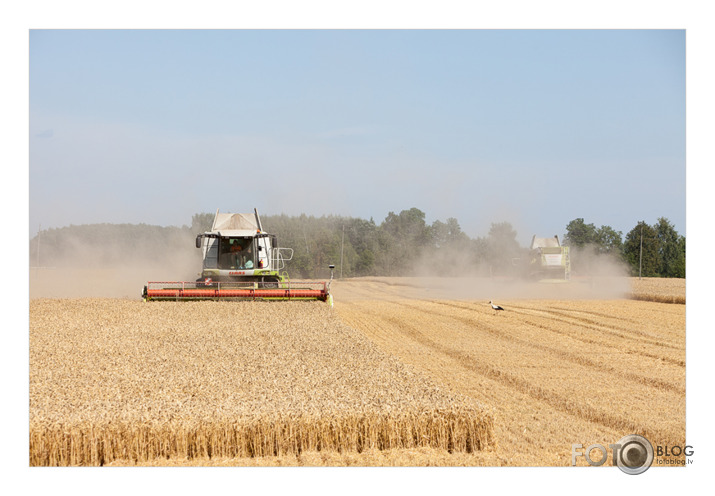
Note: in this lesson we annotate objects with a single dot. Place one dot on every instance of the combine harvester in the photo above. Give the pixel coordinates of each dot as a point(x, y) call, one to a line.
point(550, 261)
point(240, 262)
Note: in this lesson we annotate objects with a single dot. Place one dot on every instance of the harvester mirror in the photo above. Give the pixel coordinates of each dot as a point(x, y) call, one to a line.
point(198, 241)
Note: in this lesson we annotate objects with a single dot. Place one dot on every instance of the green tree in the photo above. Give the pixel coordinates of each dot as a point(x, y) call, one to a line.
point(455, 235)
point(580, 234)
point(450, 249)
point(479, 248)
point(590, 244)
point(408, 227)
point(609, 240)
point(671, 249)
point(447, 235)
point(439, 232)
point(362, 237)
point(403, 237)
point(365, 264)
point(648, 264)
point(502, 248)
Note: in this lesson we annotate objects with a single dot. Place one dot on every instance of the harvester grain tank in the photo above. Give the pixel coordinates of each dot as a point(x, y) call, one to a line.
point(240, 261)
point(549, 259)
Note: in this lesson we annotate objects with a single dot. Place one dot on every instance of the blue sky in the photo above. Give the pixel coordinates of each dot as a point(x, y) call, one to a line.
point(534, 127)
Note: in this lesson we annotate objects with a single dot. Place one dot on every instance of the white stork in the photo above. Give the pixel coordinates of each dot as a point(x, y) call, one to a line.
point(496, 308)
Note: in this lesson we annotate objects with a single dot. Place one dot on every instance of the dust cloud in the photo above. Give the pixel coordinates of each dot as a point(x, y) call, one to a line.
point(456, 276)
point(111, 267)
point(481, 288)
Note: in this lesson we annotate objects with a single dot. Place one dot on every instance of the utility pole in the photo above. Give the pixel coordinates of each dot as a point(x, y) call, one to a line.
point(640, 258)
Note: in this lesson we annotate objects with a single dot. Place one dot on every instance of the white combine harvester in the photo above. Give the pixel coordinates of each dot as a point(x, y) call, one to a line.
point(549, 260)
point(241, 262)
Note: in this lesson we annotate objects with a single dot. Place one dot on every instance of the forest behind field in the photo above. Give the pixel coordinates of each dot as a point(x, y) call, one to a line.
point(403, 244)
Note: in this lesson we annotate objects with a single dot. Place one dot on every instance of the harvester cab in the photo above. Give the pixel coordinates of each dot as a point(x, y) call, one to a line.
point(241, 262)
point(236, 249)
point(549, 261)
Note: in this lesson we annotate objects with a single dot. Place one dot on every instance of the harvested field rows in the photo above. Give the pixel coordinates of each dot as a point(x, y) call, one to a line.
point(125, 382)
point(556, 372)
point(657, 289)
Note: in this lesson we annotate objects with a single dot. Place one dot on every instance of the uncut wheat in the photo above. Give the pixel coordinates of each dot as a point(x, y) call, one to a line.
point(659, 289)
point(117, 379)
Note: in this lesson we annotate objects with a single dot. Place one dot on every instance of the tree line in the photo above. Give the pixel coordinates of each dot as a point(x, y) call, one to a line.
point(403, 244)
point(649, 250)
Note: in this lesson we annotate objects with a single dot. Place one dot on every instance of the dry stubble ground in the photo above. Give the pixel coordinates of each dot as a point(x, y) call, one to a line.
point(555, 371)
point(551, 371)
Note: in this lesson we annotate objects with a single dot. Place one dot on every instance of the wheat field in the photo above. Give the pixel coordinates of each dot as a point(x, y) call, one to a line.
point(400, 372)
point(121, 381)
point(661, 290)
point(555, 371)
